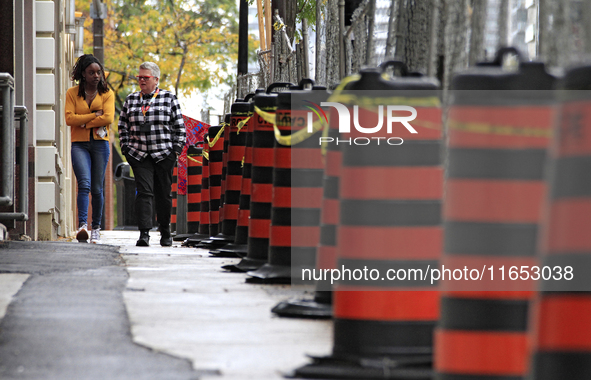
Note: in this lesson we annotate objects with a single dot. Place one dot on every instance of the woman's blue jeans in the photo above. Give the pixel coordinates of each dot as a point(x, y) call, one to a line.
point(89, 160)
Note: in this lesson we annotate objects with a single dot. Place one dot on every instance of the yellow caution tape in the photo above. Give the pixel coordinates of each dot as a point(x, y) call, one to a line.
point(345, 82)
point(278, 26)
point(194, 160)
point(369, 103)
point(324, 144)
point(205, 154)
point(217, 137)
point(296, 137)
point(267, 116)
point(242, 123)
point(506, 130)
point(299, 136)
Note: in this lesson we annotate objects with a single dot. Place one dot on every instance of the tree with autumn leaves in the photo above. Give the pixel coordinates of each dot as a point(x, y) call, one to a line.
point(194, 42)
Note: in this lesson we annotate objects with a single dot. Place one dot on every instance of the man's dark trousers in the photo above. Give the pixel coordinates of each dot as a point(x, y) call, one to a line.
point(153, 183)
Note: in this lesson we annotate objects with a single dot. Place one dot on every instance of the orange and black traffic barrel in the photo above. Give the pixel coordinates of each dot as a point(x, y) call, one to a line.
point(298, 170)
point(240, 247)
point(203, 229)
point(226, 124)
point(499, 130)
point(261, 184)
point(320, 306)
point(204, 214)
point(561, 325)
point(194, 170)
point(174, 199)
point(390, 229)
point(215, 141)
point(232, 177)
point(261, 180)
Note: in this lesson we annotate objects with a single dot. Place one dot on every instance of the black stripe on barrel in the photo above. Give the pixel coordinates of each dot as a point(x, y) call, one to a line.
point(216, 155)
point(298, 171)
point(174, 198)
point(194, 171)
point(204, 213)
point(233, 176)
point(226, 125)
point(239, 246)
point(261, 194)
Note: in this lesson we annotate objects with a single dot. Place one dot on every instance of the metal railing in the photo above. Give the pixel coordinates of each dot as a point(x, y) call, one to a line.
point(10, 113)
point(7, 88)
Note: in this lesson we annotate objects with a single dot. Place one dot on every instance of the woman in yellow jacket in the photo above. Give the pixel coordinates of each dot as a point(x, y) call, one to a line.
point(90, 108)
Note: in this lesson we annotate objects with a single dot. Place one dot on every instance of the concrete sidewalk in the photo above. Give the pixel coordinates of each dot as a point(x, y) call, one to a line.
point(180, 302)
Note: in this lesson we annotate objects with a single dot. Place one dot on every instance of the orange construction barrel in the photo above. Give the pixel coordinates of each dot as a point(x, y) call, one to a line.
point(561, 325)
point(231, 178)
point(239, 247)
point(391, 187)
point(298, 170)
point(499, 129)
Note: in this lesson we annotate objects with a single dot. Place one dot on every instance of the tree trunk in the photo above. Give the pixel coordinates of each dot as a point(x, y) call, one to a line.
point(291, 9)
point(332, 43)
point(414, 32)
point(503, 24)
point(391, 31)
point(180, 73)
point(401, 31)
point(433, 39)
point(455, 39)
point(369, 53)
point(586, 16)
point(320, 67)
point(477, 31)
point(555, 27)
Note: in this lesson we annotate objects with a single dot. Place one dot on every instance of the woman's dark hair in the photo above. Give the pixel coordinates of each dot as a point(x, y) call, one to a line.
point(81, 64)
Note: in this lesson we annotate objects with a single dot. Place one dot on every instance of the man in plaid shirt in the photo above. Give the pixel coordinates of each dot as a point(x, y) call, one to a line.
point(152, 135)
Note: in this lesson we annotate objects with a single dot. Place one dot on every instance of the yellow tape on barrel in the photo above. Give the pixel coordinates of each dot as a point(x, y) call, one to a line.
point(506, 130)
point(299, 136)
point(194, 160)
point(217, 137)
point(267, 116)
point(241, 124)
point(370, 103)
point(296, 137)
point(205, 154)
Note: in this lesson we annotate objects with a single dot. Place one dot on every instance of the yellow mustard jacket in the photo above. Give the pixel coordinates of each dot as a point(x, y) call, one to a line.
point(79, 113)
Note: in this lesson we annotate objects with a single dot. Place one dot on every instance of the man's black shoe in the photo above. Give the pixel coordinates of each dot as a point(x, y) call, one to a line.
point(165, 237)
point(166, 241)
point(144, 240)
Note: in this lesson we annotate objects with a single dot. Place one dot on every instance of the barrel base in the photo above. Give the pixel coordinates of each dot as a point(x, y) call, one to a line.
point(270, 274)
point(303, 308)
point(194, 240)
point(245, 265)
point(182, 237)
point(365, 368)
point(209, 243)
point(223, 254)
point(241, 250)
point(223, 238)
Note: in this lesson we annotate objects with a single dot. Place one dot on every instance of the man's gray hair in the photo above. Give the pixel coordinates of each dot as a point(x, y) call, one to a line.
point(152, 67)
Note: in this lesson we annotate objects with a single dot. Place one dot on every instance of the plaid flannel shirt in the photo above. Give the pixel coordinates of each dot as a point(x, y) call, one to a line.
point(167, 131)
